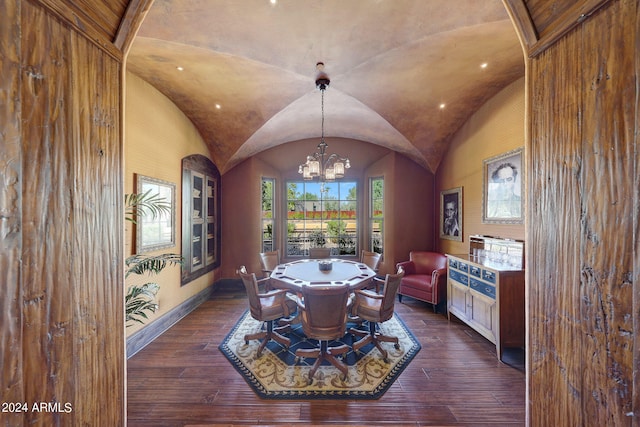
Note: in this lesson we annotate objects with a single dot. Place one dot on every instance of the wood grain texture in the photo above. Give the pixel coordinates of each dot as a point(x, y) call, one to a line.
point(582, 170)
point(98, 251)
point(540, 23)
point(454, 380)
point(553, 270)
point(101, 17)
point(608, 146)
point(46, 309)
point(11, 362)
point(61, 201)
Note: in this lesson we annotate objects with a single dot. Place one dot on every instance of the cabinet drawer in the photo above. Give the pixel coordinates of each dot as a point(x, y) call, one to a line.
point(459, 277)
point(483, 288)
point(453, 263)
point(489, 276)
point(462, 266)
point(475, 271)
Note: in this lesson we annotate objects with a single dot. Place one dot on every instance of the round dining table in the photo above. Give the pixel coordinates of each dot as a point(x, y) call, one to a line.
point(293, 275)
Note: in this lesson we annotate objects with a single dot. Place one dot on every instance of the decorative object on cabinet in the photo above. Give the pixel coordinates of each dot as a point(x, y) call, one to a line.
point(485, 290)
point(425, 277)
point(156, 229)
point(200, 217)
point(503, 189)
point(451, 214)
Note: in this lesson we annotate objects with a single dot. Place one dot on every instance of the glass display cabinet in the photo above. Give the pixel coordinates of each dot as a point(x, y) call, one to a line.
point(200, 217)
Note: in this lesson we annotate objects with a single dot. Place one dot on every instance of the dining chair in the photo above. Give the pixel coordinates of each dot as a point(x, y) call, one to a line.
point(372, 260)
point(323, 313)
point(376, 308)
point(269, 261)
point(319, 253)
point(267, 307)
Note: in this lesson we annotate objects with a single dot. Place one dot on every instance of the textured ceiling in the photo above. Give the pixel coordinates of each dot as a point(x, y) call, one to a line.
point(391, 63)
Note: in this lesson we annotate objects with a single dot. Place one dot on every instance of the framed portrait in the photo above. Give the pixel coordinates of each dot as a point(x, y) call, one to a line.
point(156, 230)
point(451, 214)
point(503, 189)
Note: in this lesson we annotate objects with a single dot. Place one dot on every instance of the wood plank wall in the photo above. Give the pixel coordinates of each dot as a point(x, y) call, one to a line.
point(61, 209)
point(582, 228)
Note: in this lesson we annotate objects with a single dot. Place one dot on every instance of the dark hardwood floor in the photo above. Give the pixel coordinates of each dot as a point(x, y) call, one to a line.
point(182, 379)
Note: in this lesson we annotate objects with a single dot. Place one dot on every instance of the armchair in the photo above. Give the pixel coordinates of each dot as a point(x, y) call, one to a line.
point(375, 309)
point(267, 308)
point(323, 313)
point(319, 253)
point(425, 277)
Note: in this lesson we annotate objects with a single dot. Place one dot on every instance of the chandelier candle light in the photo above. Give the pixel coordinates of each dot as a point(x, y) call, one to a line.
point(319, 164)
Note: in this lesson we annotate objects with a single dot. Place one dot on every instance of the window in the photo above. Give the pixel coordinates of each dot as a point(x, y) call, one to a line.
point(268, 214)
point(322, 215)
point(376, 214)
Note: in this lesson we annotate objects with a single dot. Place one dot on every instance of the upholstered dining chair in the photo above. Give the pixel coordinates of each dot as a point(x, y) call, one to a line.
point(323, 313)
point(376, 308)
point(269, 261)
point(319, 253)
point(372, 260)
point(267, 307)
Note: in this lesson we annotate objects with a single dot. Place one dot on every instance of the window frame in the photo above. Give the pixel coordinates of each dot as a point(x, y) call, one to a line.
point(373, 219)
point(345, 244)
point(263, 219)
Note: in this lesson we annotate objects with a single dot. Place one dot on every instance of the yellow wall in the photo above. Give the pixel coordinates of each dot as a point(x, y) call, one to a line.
point(496, 128)
point(157, 136)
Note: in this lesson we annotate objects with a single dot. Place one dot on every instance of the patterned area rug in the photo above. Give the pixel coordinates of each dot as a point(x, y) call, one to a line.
point(277, 375)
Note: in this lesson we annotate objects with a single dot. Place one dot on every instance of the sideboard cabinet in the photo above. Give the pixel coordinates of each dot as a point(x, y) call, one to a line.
point(487, 293)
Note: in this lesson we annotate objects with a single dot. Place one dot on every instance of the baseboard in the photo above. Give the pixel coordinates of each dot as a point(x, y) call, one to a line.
point(140, 339)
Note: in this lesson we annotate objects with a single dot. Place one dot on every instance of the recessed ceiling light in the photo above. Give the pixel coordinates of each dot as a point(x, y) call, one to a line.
point(442, 106)
point(218, 106)
point(483, 65)
point(273, 1)
point(179, 68)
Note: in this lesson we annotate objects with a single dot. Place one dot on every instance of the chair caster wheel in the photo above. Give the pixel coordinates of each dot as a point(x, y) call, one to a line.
point(385, 360)
point(396, 346)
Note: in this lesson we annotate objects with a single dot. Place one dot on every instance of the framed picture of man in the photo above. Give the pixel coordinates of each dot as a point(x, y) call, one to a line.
point(503, 192)
point(451, 214)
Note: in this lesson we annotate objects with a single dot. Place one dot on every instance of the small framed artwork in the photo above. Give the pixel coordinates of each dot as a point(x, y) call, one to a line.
point(156, 229)
point(451, 214)
point(503, 189)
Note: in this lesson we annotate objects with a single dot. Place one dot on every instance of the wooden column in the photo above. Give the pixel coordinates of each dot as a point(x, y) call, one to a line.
point(61, 220)
point(582, 213)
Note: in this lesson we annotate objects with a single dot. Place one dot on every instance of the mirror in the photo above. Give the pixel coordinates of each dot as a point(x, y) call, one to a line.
point(156, 230)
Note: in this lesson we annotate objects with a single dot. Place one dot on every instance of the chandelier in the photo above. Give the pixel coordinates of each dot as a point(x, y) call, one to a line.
point(319, 164)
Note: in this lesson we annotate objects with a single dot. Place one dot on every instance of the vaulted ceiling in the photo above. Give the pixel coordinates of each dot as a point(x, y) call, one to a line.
point(392, 64)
